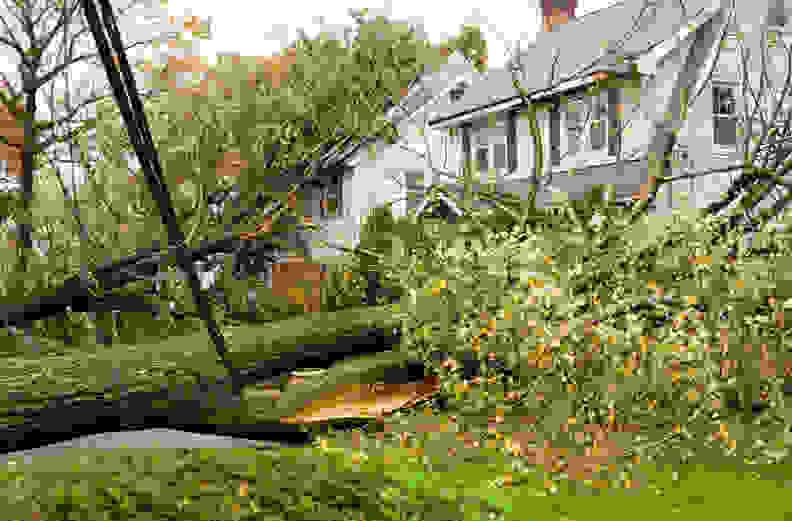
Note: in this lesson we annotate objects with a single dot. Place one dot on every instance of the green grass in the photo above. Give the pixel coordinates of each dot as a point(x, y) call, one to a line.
point(373, 480)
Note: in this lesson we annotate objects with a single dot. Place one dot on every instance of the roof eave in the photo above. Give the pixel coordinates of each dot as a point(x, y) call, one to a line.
point(516, 100)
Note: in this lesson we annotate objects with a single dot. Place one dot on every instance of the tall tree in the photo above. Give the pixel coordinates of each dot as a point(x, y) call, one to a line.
point(302, 133)
point(331, 95)
point(42, 25)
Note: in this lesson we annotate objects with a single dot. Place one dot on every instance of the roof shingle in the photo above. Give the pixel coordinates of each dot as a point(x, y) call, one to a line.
point(579, 42)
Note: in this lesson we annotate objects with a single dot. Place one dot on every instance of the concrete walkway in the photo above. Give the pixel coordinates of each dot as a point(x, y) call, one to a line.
point(157, 438)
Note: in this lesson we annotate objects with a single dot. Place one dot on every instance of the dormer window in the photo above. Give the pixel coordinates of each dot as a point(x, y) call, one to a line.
point(458, 90)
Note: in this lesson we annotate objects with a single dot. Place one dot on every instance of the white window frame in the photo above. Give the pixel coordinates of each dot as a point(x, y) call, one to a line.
point(585, 107)
point(448, 139)
point(717, 115)
point(580, 134)
point(444, 145)
point(599, 116)
point(489, 147)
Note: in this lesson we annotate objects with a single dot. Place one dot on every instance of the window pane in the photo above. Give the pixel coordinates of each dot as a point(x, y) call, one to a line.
point(598, 129)
point(500, 155)
point(600, 105)
point(573, 145)
point(555, 135)
point(574, 115)
point(414, 180)
point(725, 131)
point(482, 159)
point(574, 122)
point(723, 100)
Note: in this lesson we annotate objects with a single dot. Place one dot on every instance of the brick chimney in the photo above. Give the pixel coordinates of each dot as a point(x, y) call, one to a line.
point(557, 12)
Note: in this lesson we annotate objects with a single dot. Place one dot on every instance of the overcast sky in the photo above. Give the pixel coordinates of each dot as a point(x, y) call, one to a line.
point(237, 27)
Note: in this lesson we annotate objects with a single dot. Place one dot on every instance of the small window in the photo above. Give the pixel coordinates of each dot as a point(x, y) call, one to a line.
point(499, 155)
point(414, 180)
point(575, 117)
point(445, 143)
point(724, 115)
point(482, 159)
point(599, 119)
point(776, 15)
point(413, 188)
point(555, 135)
point(331, 198)
point(456, 93)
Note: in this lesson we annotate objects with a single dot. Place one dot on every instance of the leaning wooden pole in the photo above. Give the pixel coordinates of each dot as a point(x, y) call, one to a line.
point(140, 136)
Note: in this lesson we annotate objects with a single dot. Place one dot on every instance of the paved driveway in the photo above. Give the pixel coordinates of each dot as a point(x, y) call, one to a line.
point(162, 438)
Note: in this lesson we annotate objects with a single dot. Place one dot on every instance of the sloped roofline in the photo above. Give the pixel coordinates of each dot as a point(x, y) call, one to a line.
point(641, 58)
point(353, 149)
point(440, 195)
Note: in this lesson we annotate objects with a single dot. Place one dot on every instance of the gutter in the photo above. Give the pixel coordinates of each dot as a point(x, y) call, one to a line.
point(516, 100)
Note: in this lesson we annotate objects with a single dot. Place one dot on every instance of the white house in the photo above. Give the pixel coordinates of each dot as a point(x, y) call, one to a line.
point(488, 123)
point(379, 172)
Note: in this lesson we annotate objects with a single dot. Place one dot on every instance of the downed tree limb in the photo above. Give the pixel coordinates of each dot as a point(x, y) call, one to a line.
point(79, 295)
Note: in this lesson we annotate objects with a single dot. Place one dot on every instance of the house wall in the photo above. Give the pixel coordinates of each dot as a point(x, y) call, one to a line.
point(376, 180)
point(696, 140)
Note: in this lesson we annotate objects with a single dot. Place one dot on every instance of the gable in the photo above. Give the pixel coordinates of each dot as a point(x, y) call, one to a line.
point(439, 207)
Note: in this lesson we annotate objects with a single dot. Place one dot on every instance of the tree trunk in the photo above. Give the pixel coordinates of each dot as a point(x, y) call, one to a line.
point(25, 226)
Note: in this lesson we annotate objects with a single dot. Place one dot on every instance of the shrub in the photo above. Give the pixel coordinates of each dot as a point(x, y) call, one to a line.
point(613, 332)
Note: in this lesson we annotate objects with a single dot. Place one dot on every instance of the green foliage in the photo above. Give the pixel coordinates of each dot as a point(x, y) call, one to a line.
point(199, 137)
point(344, 286)
point(376, 235)
point(472, 45)
point(550, 309)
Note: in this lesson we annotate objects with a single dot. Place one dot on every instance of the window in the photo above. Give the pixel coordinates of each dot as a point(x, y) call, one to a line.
point(331, 197)
point(490, 152)
point(456, 93)
point(724, 117)
point(413, 187)
point(446, 142)
point(776, 15)
point(555, 134)
point(575, 117)
point(599, 120)
point(589, 123)
point(482, 158)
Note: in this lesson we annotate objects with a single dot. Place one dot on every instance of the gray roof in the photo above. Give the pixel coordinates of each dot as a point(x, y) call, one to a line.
point(493, 87)
point(425, 87)
point(579, 42)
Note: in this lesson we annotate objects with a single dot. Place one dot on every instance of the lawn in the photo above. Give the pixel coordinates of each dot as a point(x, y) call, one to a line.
point(416, 464)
